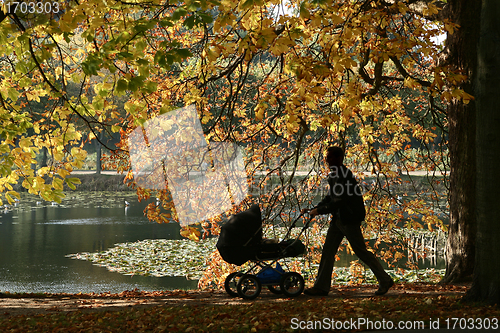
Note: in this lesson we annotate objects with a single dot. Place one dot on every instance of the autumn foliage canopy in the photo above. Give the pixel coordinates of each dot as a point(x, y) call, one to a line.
point(281, 79)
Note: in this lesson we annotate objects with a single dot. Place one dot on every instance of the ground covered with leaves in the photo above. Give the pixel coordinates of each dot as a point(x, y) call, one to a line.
point(350, 308)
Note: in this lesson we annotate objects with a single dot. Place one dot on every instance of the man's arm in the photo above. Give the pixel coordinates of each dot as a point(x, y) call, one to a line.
point(328, 207)
point(337, 195)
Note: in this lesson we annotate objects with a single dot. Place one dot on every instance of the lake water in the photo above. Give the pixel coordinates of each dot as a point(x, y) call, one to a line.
point(35, 238)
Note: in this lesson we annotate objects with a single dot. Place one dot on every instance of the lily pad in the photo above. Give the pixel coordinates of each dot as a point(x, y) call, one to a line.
point(154, 257)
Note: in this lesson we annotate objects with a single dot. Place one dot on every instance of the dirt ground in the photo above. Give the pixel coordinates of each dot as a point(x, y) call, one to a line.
point(26, 304)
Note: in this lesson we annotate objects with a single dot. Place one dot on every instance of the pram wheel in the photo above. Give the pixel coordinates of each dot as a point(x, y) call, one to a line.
point(231, 283)
point(249, 286)
point(275, 289)
point(292, 284)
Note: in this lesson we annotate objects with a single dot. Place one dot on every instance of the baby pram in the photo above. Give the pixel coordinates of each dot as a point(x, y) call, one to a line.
point(241, 240)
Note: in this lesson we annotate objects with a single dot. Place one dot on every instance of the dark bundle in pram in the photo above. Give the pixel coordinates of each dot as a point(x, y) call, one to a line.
point(241, 240)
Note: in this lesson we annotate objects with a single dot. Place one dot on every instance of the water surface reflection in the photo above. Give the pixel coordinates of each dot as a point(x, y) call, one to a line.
point(34, 239)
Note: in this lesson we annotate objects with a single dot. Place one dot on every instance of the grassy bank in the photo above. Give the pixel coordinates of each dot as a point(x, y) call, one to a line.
point(103, 182)
point(90, 182)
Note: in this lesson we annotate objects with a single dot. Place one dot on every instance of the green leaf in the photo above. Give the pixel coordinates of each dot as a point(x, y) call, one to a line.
point(125, 56)
point(190, 22)
point(141, 121)
point(121, 85)
point(13, 94)
point(89, 37)
point(140, 28)
point(166, 23)
point(5, 171)
point(170, 58)
point(91, 65)
point(136, 83)
point(57, 183)
point(98, 103)
point(103, 92)
point(160, 59)
point(71, 182)
point(150, 87)
point(140, 45)
point(304, 13)
point(25, 82)
point(67, 36)
point(58, 195)
point(184, 53)
point(207, 18)
point(9, 199)
point(20, 66)
point(247, 4)
point(179, 12)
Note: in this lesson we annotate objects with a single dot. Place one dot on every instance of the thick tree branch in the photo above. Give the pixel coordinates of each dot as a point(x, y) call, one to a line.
point(405, 74)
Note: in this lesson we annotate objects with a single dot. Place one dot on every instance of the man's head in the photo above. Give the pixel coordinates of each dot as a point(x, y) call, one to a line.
point(334, 156)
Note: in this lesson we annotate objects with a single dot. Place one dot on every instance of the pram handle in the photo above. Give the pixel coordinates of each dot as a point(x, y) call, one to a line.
point(306, 225)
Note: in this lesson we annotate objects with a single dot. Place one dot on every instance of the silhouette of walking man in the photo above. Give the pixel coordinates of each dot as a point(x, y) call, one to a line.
point(345, 202)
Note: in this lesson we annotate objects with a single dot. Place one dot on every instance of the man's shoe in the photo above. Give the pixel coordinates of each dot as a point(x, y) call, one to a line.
point(384, 288)
point(315, 292)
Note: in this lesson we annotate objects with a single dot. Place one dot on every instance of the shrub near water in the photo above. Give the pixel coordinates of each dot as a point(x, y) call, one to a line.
point(185, 258)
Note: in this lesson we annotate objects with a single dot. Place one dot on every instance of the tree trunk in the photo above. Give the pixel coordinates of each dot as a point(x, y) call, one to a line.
point(462, 48)
point(43, 162)
point(486, 283)
point(98, 154)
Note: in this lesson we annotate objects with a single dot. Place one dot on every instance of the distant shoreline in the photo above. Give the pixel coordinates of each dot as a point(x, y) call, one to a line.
point(110, 180)
point(297, 173)
point(106, 181)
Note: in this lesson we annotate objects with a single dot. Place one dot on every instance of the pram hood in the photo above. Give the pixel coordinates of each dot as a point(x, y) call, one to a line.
point(240, 240)
point(240, 236)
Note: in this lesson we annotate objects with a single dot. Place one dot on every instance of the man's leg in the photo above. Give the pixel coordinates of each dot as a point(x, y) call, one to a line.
point(357, 242)
point(333, 239)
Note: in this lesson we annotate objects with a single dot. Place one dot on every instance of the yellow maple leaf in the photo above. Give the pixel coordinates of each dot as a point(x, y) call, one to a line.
point(191, 233)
